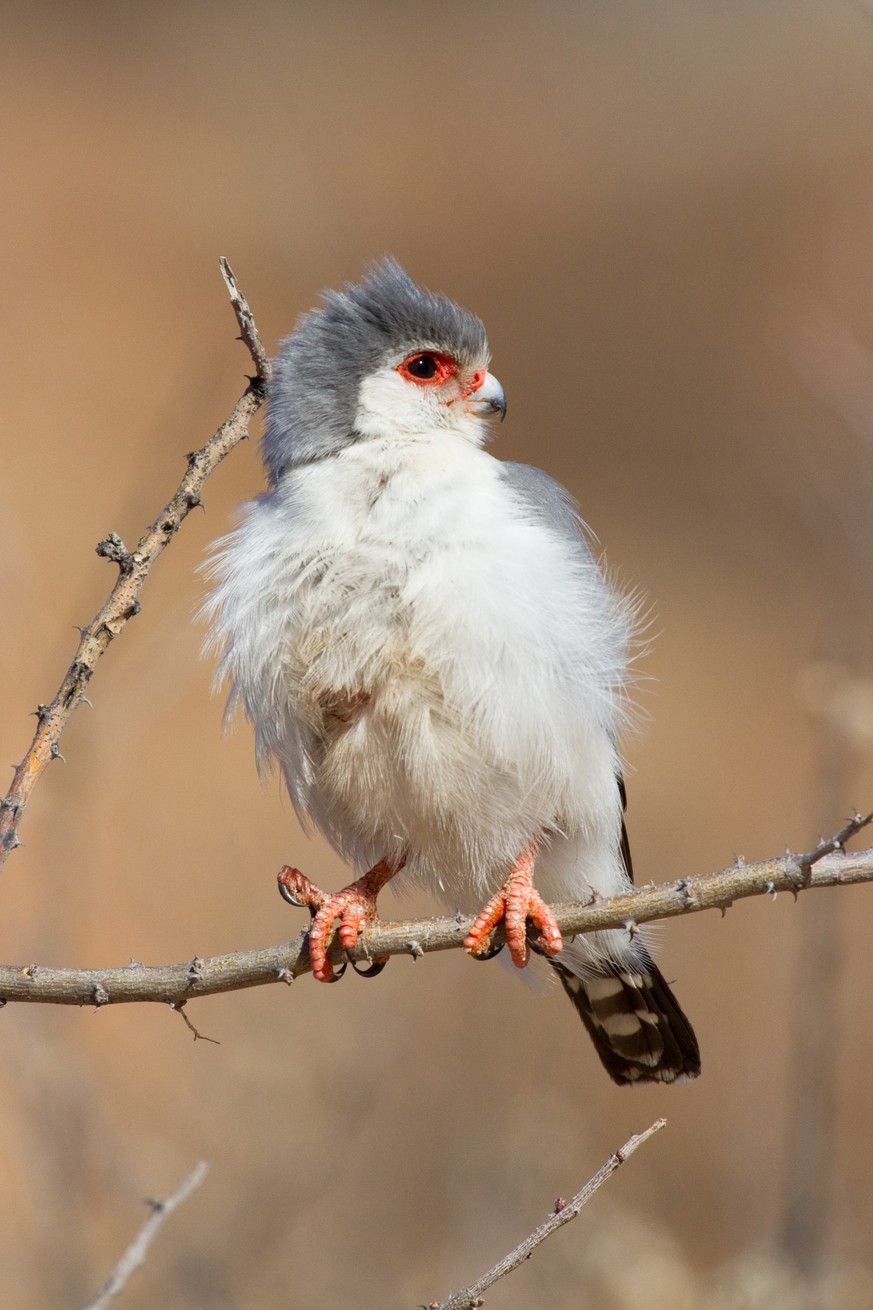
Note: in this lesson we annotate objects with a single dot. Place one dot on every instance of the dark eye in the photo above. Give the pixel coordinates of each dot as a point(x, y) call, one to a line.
point(428, 367)
point(423, 367)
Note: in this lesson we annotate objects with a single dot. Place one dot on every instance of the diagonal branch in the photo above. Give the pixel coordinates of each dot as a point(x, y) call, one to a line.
point(135, 1255)
point(564, 1211)
point(122, 603)
point(827, 865)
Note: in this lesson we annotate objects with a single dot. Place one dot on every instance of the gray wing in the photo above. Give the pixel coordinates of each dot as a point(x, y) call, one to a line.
point(546, 500)
point(553, 505)
point(638, 1027)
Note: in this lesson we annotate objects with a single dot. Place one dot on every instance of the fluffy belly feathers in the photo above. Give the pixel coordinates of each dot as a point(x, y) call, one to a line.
point(391, 675)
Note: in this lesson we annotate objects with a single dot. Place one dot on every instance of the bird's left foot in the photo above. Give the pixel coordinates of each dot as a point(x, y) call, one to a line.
point(354, 906)
point(517, 903)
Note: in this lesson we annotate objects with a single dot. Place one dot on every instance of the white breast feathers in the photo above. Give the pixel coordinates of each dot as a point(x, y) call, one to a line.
point(430, 666)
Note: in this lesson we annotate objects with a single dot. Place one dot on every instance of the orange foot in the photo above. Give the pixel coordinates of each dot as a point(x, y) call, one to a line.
point(517, 902)
point(354, 906)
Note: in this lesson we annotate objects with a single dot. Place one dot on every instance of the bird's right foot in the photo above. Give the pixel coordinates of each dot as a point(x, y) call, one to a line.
point(354, 907)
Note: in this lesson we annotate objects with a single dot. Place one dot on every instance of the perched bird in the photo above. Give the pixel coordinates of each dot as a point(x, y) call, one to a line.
point(429, 651)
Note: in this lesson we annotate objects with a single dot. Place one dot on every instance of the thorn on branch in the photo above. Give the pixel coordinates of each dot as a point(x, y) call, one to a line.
point(55, 752)
point(114, 549)
point(80, 676)
point(415, 950)
point(195, 970)
point(41, 712)
point(687, 889)
point(100, 995)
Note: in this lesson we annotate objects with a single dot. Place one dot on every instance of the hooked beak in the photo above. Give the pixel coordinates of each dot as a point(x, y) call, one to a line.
point(488, 399)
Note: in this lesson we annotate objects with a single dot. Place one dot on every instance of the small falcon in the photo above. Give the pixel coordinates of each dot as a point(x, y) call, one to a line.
point(428, 650)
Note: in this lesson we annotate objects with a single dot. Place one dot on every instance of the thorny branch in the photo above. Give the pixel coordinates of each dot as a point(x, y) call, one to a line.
point(135, 1255)
point(122, 604)
point(826, 865)
point(563, 1212)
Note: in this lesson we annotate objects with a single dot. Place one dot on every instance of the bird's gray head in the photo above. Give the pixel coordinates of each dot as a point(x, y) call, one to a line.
point(380, 358)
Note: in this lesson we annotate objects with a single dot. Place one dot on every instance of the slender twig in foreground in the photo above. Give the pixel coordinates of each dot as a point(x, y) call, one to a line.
point(562, 1214)
point(133, 567)
point(176, 984)
point(247, 329)
point(135, 1255)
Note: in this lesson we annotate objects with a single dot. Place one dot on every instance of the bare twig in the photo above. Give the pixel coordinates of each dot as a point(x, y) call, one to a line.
point(245, 318)
point(133, 567)
point(197, 1035)
point(175, 984)
point(135, 1255)
point(562, 1214)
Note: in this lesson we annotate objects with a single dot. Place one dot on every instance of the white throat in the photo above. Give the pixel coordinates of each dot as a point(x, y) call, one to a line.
point(388, 406)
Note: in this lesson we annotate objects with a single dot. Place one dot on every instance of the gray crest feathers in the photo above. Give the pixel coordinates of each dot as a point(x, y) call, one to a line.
point(314, 392)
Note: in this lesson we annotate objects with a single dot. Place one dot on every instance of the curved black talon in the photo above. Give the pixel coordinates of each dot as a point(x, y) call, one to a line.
point(336, 974)
point(292, 900)
point(372, 970)
point(535, 944)
point(489, 953)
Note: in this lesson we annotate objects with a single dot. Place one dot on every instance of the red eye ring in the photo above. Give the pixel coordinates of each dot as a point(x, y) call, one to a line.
point(427, 368)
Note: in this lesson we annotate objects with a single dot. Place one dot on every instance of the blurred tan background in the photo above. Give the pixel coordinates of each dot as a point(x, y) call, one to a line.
point(664, 214)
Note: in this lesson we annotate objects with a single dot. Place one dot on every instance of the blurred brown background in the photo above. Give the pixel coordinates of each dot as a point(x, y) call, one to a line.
point(664, 214)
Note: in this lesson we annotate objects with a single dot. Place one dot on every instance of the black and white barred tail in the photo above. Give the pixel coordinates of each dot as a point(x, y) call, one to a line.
point(635, 1022)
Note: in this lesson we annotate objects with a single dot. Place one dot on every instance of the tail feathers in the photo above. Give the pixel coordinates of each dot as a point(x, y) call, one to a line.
point(635, 1022)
